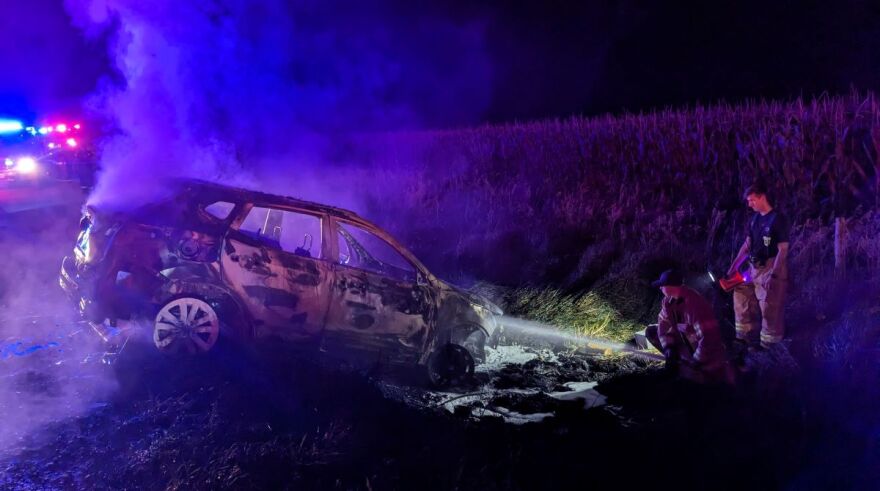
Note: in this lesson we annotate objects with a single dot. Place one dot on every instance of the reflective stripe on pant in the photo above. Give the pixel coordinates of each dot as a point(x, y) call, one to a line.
point(752, 301)
point(718, 372)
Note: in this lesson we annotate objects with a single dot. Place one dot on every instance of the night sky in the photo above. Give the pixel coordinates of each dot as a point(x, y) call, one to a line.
point(48, 65)
point(546, 59)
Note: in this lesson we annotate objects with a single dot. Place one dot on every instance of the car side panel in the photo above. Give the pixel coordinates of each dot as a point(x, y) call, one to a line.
point(377, 316)
point(369, 312)
point(287, 296)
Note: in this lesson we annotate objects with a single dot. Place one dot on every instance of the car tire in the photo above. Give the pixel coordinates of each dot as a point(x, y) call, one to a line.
point(186, 325)
point(450, 365)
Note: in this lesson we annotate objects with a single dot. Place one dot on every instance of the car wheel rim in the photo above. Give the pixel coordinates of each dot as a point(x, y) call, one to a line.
point(186, 325)
point(451, 364)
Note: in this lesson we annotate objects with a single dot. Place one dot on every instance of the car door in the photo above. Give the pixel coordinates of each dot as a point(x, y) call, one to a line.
point(380, 304)
point(274, 260)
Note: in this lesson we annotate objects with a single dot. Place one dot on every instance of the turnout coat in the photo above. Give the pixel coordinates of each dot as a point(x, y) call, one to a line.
point(688, 326)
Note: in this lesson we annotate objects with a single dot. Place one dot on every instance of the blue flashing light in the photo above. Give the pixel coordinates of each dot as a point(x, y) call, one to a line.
point(43, 130)
point(10, 126)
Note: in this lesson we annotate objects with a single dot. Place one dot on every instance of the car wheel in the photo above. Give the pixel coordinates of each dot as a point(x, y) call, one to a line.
point(450, 365)
point(186, 325)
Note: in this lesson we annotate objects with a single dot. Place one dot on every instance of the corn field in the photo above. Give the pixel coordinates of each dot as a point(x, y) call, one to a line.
point(586, 202)
point(818, 157)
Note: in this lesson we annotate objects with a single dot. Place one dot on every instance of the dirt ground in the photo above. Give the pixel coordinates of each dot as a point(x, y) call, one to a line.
point(533, 418)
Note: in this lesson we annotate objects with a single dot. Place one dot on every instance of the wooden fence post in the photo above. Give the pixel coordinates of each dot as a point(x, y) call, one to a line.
point(840, 248)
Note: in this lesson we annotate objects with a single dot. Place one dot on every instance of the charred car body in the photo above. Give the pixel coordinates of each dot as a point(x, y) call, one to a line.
point(214, 264)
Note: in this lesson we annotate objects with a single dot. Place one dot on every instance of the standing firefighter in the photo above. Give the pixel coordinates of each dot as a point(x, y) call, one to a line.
point(763, 294)
point(687, 332)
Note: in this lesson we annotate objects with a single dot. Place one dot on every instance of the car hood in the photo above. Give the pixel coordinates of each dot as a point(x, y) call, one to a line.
point(474, 298)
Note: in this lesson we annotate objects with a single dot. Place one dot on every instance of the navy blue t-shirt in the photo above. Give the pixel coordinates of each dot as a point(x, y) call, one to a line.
point(766, 232)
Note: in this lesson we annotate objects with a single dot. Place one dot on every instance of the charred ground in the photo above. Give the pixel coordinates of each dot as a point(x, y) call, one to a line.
point(274, 422)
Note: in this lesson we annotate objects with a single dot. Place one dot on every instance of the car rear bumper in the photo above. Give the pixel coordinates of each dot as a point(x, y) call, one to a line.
point(79, 289)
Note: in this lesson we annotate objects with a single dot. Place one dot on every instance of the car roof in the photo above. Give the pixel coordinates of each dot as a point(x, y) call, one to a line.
point(222, 192)
point(232, 193)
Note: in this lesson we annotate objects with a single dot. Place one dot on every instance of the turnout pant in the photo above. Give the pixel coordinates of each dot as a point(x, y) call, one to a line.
point(719, 371)
point(761, 300)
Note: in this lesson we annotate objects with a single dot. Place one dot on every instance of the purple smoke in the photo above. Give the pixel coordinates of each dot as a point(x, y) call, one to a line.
point(260, 92)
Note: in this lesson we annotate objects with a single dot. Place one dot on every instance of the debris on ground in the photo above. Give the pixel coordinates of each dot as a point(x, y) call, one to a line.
point(521, 384)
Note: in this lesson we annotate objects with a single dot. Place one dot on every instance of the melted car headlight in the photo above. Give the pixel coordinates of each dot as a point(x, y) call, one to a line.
point(479, 308)
point(487, 310)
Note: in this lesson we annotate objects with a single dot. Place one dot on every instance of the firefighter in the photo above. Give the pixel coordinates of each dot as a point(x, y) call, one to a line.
point(687, 333)
point(762, 297)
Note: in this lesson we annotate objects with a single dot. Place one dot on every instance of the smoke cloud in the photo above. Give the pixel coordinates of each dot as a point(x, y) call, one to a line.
point(261, 92)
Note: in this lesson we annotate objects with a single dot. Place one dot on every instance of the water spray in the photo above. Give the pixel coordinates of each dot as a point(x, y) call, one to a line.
point(556, 336)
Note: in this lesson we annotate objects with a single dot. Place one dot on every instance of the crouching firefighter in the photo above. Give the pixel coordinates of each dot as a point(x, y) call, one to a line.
point(759, 303)
point(687, 333)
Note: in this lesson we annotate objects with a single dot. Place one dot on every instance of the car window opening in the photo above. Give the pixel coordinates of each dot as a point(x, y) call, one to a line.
point(285, 230)
point(372, 253)
point(220, 209)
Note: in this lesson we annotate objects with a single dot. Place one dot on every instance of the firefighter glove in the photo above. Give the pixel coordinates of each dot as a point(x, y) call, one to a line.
point(672, 359)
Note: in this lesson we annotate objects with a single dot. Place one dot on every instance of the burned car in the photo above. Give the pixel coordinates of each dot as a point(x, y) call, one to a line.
point(212, 264)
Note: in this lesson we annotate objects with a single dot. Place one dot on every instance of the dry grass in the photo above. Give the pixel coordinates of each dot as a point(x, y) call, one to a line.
point(587, 314)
